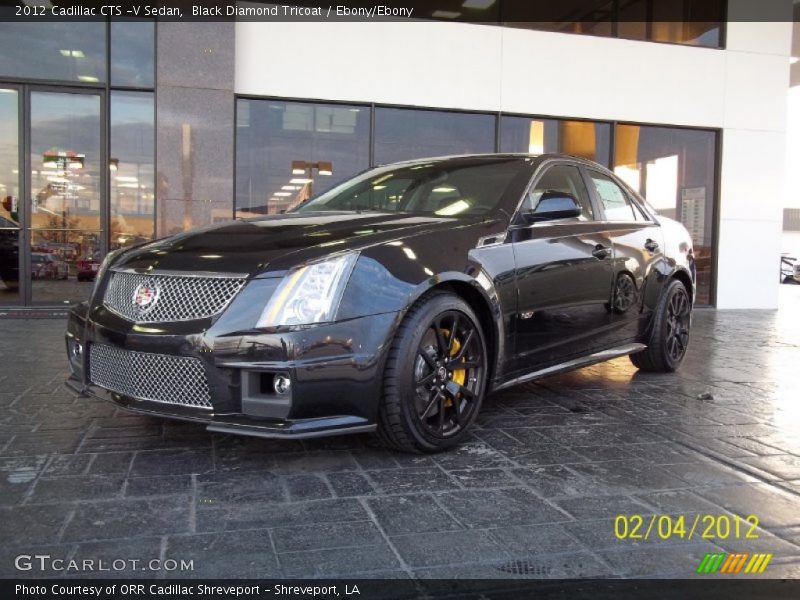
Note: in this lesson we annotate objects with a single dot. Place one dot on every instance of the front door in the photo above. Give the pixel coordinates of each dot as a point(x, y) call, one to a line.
point(563, 275)
point(638, 250)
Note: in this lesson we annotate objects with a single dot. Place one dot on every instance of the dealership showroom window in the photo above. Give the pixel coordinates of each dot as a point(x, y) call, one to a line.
point(245, 157)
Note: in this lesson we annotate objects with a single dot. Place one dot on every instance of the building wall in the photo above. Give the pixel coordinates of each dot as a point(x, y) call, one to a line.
point(741, 90)
point(195, 128)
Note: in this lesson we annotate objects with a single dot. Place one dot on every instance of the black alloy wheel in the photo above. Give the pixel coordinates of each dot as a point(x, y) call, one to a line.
point(435, 377)
point(669, 337)
point(447, 371)
point(678, 311)
point(625, 294)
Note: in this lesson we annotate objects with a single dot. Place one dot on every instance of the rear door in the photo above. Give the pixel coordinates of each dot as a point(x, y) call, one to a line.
point(638, 251)
point(563, 274)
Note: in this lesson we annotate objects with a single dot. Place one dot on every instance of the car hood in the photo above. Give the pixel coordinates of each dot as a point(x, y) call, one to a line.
point(270, 245)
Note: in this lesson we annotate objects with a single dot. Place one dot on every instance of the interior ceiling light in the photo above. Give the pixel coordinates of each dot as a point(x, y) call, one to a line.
point(281, 194)
point(73, 53)
point(445, 14)
point(301, 181)
point(478, 4)
point(88, 78)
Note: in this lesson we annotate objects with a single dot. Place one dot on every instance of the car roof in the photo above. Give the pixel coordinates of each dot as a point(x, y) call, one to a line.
point(494, 155)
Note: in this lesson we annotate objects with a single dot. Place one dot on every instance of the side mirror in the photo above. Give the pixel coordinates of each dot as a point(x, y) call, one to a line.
point(554, 205)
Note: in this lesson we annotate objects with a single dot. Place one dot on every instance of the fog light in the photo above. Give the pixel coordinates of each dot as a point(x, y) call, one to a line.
point(281, 383)
point(74, 356)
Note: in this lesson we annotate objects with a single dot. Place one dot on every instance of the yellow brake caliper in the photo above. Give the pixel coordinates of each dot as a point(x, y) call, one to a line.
point(459, 375)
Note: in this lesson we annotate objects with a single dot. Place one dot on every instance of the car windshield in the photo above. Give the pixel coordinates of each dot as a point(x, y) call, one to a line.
point(446, 188)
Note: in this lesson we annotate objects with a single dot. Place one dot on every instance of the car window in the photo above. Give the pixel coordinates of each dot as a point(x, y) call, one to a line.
point(616, 203)
point(561, 178)
point(445, 188)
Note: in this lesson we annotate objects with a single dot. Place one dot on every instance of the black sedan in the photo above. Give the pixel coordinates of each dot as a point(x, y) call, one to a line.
point(393, 302)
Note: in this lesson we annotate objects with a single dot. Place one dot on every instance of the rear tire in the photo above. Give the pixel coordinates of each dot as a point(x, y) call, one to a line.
point(435, 377)
point(669, 337)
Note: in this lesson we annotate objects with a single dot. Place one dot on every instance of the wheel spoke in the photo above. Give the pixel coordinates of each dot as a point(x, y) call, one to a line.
point(454, 388)
point(431, 404)
point(453, 332)
point(457, 410)
point(467, 339)
point(427, 379)
point(442, 400)
point(440, 341)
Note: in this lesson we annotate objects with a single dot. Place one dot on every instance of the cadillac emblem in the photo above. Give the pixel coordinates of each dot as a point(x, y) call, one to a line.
point(145, 297)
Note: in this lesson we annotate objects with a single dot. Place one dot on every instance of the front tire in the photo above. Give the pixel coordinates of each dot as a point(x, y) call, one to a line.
point(435, 377)
point(669, 337)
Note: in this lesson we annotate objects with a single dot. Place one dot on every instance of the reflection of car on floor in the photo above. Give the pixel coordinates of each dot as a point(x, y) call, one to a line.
point(9, 254)
point(393, 302)
point(48, 266)
point(87, 267)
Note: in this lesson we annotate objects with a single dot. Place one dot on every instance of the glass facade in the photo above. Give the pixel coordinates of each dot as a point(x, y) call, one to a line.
point(78, 179)
point(283, 149)
point(133, 53)
point(675, 169)
point(66, 183)
point(587, 139)
point(132, 168)
point(9, 196)
point(402, 133)
point(690, 22)
point(53, 51)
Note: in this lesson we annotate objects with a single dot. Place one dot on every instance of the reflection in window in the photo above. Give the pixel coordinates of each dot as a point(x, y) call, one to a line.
point(586, 139)
point(132, 53)
point(402, 134)
point(60, 51)
point(131, 169)
point(562, 179)
point(593, 17)
point(674, 169)
point(65, 193)
point(616, 205)
point(9, 197)
point(693, 22)
point(287, 152)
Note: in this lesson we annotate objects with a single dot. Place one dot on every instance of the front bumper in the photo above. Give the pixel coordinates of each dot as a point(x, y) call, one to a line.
point(335, 371)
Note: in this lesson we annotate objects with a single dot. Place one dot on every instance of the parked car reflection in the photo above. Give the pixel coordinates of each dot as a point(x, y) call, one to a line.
point(48, 266)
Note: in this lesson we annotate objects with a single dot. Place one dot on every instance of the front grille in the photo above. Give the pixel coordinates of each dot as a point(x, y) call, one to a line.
point(144, 376)
point(173, 297)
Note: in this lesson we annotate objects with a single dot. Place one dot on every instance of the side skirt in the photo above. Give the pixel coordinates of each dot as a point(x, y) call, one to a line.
point(575, 363)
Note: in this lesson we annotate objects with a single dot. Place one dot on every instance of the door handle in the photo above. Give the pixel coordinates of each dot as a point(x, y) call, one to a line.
point(651, 246)
point(601, 251)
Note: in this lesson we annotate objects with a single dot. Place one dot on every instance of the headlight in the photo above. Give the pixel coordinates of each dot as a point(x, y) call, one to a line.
point(309, 294)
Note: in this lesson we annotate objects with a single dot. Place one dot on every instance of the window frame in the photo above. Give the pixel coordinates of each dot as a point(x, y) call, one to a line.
point(636, 208)
point(517, 221)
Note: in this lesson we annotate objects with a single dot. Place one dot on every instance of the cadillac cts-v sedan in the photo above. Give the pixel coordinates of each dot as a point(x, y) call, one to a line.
point(394, 302)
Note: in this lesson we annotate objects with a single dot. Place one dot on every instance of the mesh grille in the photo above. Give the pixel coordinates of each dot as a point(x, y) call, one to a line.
point(174, 297)
point(144, 376)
